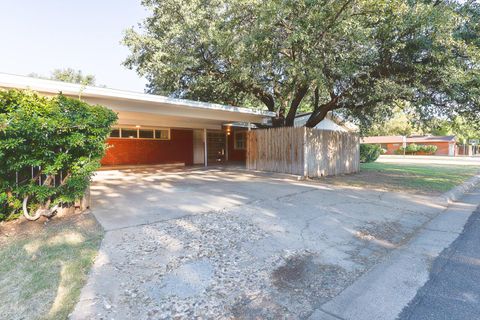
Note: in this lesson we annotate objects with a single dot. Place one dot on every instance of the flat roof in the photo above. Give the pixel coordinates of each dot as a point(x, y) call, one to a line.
point(431, 139)
point(383, 139)
point(410, 139)
point(72, 89)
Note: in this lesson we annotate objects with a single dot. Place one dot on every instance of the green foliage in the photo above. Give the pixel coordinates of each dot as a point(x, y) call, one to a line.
point(69, 75)
point(354, 56)
point(414, 149)
point(400, 122)
point(428, 149)
point(73, 76)
point(369, 152)
point(462, 128)
point(57, 134)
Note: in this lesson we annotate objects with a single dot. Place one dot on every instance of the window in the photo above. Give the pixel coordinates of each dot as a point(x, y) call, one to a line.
point(140, 133)
point(162, 134)
point(240, 140)
point(129, 133)
point(145, 133)
point(115, 133)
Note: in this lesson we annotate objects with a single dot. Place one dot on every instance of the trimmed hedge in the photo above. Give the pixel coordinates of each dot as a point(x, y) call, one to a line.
point(52, 135)
point(414, 148)
point(369, 152)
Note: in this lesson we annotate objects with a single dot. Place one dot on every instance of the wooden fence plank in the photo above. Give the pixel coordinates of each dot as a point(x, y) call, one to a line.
point(303, 151)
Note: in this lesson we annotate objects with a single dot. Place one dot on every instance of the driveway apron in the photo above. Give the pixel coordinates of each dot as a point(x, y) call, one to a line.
point(226, 244)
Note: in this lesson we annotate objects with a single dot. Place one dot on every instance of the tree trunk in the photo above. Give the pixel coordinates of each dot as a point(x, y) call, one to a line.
point(297, 99)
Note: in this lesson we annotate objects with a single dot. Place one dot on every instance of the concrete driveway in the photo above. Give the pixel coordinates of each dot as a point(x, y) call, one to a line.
point(186, 243)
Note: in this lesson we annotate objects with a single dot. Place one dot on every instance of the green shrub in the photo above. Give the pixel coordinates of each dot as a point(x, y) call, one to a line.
point(410, 149)
point(51, 135)
point(398, 151)
point(414, 148)
point(369, 152)
point(428, 149)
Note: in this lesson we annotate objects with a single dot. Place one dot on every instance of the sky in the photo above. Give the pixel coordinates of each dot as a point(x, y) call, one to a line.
point(38, 36)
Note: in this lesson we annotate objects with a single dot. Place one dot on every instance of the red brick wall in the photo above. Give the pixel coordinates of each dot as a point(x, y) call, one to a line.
point(234, 154)
point(391, 147)
point(143, 151)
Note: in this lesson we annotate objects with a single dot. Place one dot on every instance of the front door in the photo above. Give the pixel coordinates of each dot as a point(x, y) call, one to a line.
point(216, 148)
point(451, 150)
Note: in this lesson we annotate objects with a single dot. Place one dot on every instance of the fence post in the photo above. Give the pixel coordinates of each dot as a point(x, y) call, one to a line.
point(305, 152)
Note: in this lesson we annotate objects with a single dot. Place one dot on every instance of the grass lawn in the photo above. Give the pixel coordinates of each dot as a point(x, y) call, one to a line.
point(43, 266)
point(418, 178)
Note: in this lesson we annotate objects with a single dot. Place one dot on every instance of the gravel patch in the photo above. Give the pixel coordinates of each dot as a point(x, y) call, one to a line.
point(209, 269)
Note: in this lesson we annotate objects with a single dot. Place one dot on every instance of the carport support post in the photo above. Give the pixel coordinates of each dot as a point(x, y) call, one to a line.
point(205, 145)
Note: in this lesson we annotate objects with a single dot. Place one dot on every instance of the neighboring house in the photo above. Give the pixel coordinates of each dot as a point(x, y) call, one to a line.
point(331, 122)
point(154, 129)
point(446, 145)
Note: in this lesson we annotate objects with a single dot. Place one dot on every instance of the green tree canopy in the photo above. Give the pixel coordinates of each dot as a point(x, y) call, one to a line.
point(401, 123)
point(462, 129)
point(73, 76)
point(69, 75)
point(356, 56)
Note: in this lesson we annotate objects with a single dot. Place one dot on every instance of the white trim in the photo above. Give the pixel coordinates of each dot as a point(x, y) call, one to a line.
point(205, 144)
point(54, 87)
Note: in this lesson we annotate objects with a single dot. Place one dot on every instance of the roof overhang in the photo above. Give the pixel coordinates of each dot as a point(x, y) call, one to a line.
point(132, 104)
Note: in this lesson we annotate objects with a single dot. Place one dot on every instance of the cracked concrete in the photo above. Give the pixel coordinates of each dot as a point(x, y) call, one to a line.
point(383, 292)
point(219, 244)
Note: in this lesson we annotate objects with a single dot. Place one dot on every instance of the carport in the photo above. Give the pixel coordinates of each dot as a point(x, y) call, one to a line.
point(154, 129)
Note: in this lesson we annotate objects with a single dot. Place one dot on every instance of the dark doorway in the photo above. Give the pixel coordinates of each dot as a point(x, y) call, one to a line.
point(216, 148)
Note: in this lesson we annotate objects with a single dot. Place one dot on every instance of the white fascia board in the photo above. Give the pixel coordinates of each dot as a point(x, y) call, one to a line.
point(71, 89)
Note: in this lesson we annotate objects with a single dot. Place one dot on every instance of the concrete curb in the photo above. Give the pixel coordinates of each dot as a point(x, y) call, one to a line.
point(458, 192)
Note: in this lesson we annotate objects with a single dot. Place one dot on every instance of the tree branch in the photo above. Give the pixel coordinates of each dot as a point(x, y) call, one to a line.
point(300, 93)
point(321, 112)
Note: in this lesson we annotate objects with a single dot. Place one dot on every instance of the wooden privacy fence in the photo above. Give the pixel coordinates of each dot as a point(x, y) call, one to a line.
point(303, 151)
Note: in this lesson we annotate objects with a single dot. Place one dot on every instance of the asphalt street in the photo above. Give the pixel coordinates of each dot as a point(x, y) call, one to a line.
point(453, 289)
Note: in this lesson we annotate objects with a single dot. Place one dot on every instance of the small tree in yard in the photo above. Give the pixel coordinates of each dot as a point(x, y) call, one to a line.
point(62, 139)
point(369, 152)
point(353, 56)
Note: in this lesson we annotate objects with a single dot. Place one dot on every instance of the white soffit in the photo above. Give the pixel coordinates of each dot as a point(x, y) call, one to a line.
point(155, 103)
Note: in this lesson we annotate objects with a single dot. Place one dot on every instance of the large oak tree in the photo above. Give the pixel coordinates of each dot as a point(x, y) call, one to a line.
point(357, 56)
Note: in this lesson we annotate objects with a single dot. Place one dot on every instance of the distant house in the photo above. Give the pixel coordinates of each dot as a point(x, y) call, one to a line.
point(446, 145)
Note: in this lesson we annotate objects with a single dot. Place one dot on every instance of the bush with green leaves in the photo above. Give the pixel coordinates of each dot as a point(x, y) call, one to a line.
point(49, 149)
point(414, 149)
point(369, 152)
point(410, 149)
point(428, 149)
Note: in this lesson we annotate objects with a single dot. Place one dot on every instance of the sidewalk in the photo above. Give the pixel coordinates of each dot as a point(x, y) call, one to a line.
point(385, 290)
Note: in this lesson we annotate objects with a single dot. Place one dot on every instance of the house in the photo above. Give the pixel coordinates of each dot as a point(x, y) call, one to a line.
point(446, 145)
point(332, 122)
point(154, 129)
